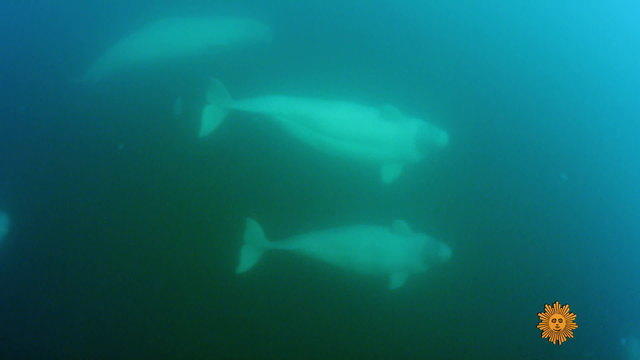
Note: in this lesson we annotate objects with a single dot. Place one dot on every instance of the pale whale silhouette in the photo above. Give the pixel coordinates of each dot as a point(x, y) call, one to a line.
point(174, 38)
point(380, 136)
point(396, 252)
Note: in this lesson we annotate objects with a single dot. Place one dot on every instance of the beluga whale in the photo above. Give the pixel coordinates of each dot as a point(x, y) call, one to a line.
point(381, 136)
point(396, 252)
point(176, 38)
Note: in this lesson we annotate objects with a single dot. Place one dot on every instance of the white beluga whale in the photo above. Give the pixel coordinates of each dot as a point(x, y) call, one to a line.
point(175, 38)
point(4, 224)
point(395, 251)
point(380, 136)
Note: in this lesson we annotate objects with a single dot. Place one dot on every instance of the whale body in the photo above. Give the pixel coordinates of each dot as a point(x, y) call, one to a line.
point(381, 136)
point(396, 252)
point(175, 38)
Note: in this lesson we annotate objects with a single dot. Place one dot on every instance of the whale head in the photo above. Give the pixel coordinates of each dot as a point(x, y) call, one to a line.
point(433, 252)
point(245, 31)
point(430, 137)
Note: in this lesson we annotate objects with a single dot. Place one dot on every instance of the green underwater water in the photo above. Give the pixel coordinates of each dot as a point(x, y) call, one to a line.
point(126, 227)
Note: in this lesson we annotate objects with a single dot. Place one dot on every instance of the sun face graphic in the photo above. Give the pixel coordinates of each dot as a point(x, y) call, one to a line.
point(557, 323)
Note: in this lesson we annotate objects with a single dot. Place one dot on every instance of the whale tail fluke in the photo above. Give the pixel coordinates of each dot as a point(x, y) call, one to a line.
point(216, 109)
point(255, 244)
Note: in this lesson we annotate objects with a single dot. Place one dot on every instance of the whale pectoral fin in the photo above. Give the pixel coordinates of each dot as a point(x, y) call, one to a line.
point(216, 109)
point(398, 279)
point(210, 119)
point(401, 227)
point(391, 113)
point(390, 172)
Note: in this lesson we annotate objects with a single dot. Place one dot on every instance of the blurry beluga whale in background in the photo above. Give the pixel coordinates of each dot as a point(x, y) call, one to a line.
point(4, 224)
point(175, 38)
point(380, 136)
point(396, 252)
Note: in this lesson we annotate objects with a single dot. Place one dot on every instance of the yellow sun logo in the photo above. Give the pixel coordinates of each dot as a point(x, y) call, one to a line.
point(557, 323)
